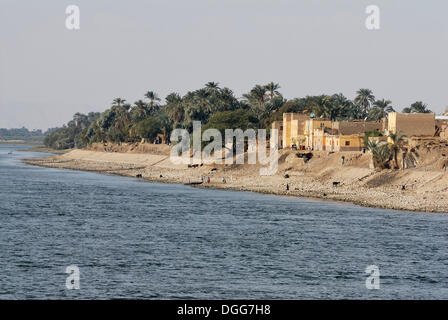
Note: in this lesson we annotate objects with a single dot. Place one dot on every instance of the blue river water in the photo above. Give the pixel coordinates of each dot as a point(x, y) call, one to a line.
point(136, 239)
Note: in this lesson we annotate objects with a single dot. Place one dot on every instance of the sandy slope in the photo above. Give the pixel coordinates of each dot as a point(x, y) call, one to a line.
point(426, 186)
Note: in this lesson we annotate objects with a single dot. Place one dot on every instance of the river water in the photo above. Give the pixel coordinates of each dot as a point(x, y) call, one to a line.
point(136, 239)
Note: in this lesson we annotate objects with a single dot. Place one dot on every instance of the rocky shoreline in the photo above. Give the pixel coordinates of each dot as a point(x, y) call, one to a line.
point(362, 186)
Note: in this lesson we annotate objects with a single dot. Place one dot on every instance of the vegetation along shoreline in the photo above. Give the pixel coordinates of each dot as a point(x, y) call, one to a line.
point(361, 151)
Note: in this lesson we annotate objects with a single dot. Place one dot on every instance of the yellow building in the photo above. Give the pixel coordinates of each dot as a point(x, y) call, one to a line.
point(279, 126)
point(310, 128)
point(353, 142)
point(293, 127)
point(323, 134)
point(320, 140)
point(324, 141)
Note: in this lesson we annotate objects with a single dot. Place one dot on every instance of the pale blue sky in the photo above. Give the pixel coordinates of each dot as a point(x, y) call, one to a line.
point(125, 48)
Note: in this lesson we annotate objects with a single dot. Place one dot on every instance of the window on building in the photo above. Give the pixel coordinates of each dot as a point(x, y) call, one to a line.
point(347, 143)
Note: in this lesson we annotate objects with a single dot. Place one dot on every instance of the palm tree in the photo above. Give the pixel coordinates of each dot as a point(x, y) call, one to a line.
point(117, 120)
point(80, 120)
point(420, 107)
point(140, 110)
point(406, 110)
point(202, 96)
point(417, 107)
point(173, 98)
point(380, 109)
point(118, 102)
point(153, 99)
point(327, 108)
point(174, 107)
point(257, 95)
point(226, 92)
point(120, 112)
point(165, 122)
point(212, 86)
point(364, 98)
point(176, 112)
point(384, 105)
point(272, 88)
point(380, 153)
point(330, 108)
point(345, 105)
point(396, 141)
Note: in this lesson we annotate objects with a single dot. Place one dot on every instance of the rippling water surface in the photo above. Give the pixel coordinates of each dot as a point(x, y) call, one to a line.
point(134, 239)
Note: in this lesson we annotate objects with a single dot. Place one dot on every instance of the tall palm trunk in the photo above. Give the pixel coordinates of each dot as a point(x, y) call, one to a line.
point(396, 158)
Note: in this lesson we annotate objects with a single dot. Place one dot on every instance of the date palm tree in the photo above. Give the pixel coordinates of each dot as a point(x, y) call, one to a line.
point(173, 98)
point(174, 107)
point(380, 109)
point(417, 107)
point(118, 102)
point(212, 86)
point(396, 140)
point(256, 96)
point(202, 97)
point(329, 109)
point(384, 105)
point(346, 106)
point(272, 88)
point(364, 98)
point(140, 111)
point(380, 153)
point(153, 99)
point(80, 120)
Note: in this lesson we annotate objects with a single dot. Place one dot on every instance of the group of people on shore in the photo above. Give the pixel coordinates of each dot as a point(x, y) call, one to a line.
point(208, 180)
point(204, 179)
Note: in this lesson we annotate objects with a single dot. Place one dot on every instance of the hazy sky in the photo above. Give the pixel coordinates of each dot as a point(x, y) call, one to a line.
point(125, 48)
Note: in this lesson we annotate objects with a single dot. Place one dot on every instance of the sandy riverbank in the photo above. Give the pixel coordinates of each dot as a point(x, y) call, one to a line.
point(426, 188)
point(43, 150)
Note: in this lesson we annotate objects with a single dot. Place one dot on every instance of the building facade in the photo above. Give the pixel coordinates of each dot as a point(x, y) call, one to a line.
point(313, 126)
point(293, 127)
point(279, 126)
point(412, 124)
point(322, 134)
point(357, 126)
point(324, 141)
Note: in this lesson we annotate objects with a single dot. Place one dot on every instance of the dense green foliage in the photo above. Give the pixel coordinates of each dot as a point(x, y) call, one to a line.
point(380, 152)
point(239, 119)
point(396, 141)
point(417, 107)
point(74, 134)
point(148, 128)
point(383, 152)
point(212, 105)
